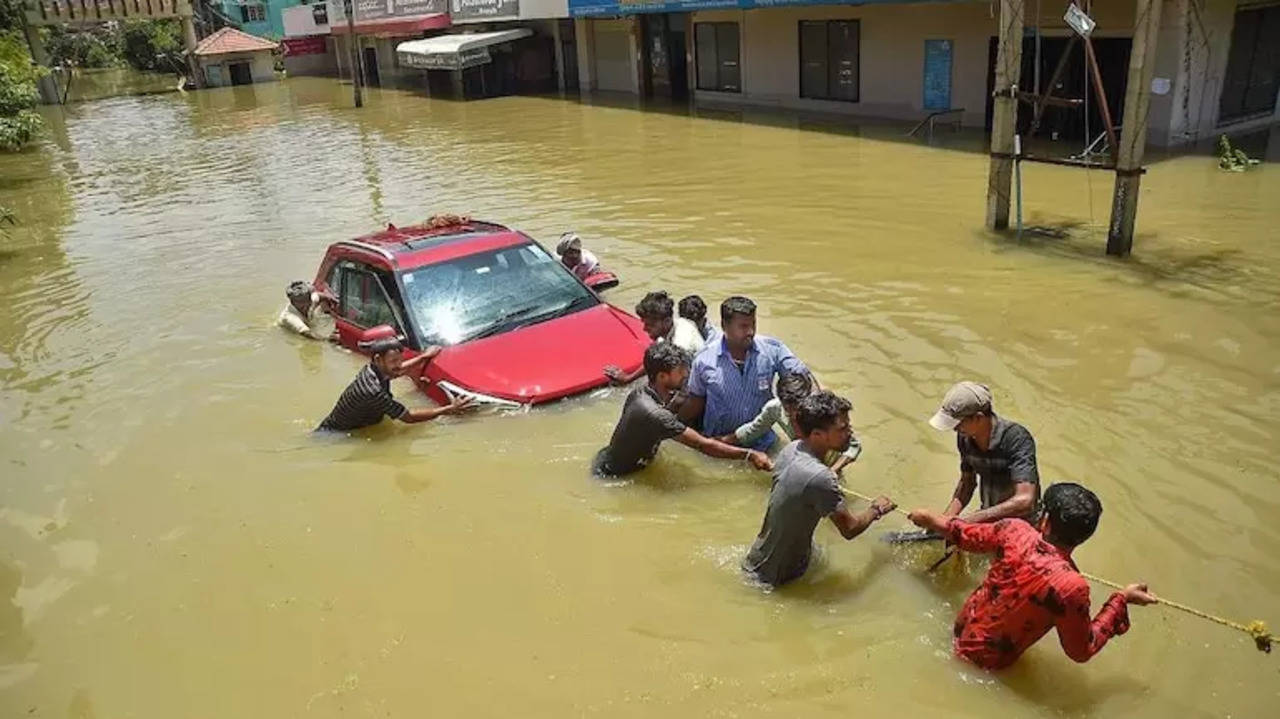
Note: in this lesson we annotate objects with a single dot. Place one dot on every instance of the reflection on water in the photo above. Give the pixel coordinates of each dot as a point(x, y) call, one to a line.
point(174, 533)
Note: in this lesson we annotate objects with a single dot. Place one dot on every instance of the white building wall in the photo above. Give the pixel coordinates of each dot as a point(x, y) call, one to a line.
point(299, 21)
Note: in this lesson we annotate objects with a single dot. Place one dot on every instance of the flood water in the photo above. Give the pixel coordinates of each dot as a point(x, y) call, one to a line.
point(174, 543)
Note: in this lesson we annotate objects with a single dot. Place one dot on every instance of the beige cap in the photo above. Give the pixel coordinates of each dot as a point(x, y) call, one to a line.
point(964, 399)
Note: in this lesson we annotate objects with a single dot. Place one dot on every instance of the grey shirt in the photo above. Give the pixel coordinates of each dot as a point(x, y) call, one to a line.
point(1010, 459)
point(804, 491)
point(644, 424)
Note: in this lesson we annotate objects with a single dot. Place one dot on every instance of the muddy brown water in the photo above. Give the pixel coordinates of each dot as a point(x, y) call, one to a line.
point(173, 543)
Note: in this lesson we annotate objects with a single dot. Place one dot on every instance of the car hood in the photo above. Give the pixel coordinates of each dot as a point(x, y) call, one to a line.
point(548, 360)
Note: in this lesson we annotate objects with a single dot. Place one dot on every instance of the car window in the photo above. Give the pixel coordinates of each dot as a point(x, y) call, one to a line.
point(363, 301)
point(488, 292)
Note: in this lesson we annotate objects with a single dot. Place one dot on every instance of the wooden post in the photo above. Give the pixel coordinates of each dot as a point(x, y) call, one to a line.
point(353, 52)
point(189, 43)
point(46, 84)
point(1004, 114)
point(1133, 132)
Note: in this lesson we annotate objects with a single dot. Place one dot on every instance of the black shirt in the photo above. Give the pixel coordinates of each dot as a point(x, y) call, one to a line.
point(1010, 458)
point(364, 402)
point(644, 424)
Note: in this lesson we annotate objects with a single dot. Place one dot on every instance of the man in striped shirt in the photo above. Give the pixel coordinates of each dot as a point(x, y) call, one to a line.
point(368, 398)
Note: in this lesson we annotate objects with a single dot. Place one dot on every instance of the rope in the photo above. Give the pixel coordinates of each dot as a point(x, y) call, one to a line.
point(1257, 629)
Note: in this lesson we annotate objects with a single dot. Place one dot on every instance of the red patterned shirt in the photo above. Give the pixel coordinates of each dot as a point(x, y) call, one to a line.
point(1032, 586)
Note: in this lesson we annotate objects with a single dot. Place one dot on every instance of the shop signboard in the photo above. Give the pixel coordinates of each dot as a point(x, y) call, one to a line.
point(583, 8)
point(294, 46)
point(937, 74)
point(446, 60)
point(483, 10)
point(374, 10)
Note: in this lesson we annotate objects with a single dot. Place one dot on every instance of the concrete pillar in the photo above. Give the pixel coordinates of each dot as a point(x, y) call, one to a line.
point(586, 41)
point(1004, 114)
point(189, 42)
point(48, 85)
point(559, 49)
point(1133, 134)
point(634, 46)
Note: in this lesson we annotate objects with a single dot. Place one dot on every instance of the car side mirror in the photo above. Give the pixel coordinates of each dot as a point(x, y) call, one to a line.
point(601, 281)
point(380, 332)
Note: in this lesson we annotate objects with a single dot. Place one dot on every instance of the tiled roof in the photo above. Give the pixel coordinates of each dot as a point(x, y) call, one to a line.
point(229, 40)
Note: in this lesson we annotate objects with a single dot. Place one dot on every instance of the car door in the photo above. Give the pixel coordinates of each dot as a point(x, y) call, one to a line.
point(363, 302)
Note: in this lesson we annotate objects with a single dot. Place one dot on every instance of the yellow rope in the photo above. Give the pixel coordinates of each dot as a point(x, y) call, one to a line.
point(1257, 629)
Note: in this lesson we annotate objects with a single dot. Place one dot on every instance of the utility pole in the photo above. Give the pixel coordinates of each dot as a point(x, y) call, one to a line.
point(1004, 113)
point(1133, 134)
point(357, 67)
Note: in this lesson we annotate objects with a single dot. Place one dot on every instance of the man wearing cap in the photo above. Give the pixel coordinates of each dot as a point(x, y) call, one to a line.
point(305, 311)
point(368, 398)
point(579, 261)
point(997, 456)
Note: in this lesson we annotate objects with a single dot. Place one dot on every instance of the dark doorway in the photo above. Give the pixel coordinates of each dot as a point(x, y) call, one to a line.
point(371, 67)
point(1068, 123)
point(569, 52)
point(241, 73)
point(665, 55)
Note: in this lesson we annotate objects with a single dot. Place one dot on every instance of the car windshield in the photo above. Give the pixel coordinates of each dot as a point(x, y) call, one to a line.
point(489, 293)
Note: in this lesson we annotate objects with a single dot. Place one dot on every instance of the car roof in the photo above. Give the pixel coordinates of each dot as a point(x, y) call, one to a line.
point(417, 245)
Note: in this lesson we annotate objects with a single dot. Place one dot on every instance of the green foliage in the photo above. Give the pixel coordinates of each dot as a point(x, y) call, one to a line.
point(18, 94)
point(99, 47)
point(154, 45)
point(1231, 159)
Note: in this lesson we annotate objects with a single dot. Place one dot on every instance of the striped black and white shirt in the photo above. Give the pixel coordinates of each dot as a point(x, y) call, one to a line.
point(364, 402)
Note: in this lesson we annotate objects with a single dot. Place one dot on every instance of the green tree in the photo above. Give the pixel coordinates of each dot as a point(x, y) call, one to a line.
point(152, 45)
point(98, 47)
point(18, 94)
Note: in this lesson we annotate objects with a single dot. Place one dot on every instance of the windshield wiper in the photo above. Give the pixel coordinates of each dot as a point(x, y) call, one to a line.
point(504, 321)
point(555, 312)
point(501, 324)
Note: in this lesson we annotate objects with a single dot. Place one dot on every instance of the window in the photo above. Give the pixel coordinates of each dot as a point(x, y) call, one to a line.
point(1253, 65)
point(320, 14)
point(829, 59)
point(489, 293)
point(362, 299)
point(253, 13)
point(717, 48)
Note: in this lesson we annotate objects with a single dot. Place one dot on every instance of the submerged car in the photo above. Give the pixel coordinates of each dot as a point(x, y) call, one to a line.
point(517, 327)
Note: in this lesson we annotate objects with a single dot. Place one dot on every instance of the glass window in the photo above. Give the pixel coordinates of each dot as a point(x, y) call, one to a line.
point(253, 13)
point(363, 301)
point(716, 45)
point(489, 293)
point(1253, 65)
point(829, 59)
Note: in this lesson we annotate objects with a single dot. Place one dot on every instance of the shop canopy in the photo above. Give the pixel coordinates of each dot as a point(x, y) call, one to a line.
point(455, 52)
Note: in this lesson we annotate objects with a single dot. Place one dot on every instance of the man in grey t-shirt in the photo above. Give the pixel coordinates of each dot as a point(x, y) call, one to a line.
point(997, 457)
point(804, 491)
point(646, 421)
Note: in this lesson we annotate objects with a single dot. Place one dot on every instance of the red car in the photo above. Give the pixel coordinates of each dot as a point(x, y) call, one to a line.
point(517, 327)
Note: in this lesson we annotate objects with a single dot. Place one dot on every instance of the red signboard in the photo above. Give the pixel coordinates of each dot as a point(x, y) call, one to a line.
point(313, 45)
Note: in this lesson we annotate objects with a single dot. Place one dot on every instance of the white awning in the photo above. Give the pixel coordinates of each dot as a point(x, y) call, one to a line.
point(455, 52)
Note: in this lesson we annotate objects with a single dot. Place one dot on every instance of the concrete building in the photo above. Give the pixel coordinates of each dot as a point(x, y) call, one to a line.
point(308, 47)
point(381, 25)
point(258, 17)
point(232, 57)
point(497, 47)
point(1217, 68)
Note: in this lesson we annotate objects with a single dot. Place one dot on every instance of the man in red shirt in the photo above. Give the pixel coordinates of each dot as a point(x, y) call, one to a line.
point(1033, 585)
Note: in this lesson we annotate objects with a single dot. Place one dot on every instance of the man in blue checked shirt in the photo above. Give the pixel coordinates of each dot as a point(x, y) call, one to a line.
point(732, 379)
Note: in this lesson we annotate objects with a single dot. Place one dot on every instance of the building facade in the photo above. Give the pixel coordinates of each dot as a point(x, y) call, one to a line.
point(1217, 65)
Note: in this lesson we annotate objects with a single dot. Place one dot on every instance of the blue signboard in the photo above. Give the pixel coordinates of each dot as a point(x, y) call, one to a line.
point(583, 8)
point(937, 74)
